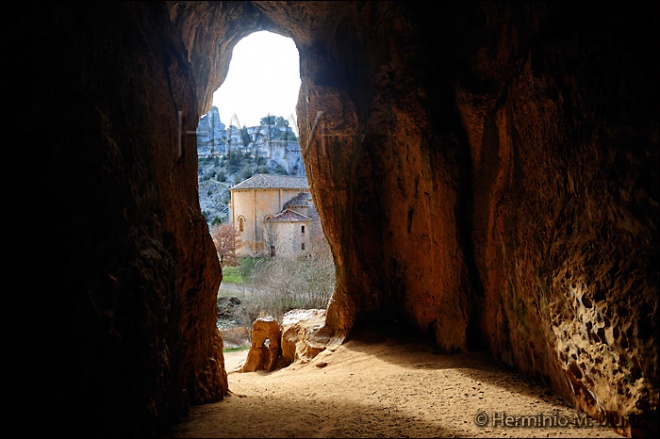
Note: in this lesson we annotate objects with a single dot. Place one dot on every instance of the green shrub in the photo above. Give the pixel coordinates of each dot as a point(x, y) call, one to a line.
point(248, 265)
point(245, 173)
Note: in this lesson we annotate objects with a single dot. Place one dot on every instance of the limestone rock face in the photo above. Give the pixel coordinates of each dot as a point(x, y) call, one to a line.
point(211, 133)
point(305, 335)
point(485, 172)
point(265, 349)
point(131, 276)
point(483, 169)
point(301, 336)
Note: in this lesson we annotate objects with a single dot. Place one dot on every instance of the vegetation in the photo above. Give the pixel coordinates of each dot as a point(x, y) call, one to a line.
point(232, 275)
point(277, 121)
point(266, 286)
point(248, 266)
point(272, 287)
point(245, 136)
point(239, 273)
point(226, 243)
point(245, 173)
point(235, 161)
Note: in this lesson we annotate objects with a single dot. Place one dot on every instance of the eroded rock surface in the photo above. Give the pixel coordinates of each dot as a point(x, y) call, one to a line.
point(486, 172)
point(266, 346)
point(305, 335)
point(301, 336)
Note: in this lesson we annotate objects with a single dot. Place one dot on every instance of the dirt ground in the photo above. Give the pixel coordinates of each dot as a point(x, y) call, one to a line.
point(384, 386)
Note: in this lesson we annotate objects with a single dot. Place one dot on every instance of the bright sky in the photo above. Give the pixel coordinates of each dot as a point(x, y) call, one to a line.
point(263, 79)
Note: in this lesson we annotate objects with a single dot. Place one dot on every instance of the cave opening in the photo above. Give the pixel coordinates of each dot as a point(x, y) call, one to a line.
point(263, 80)
point(250, 140)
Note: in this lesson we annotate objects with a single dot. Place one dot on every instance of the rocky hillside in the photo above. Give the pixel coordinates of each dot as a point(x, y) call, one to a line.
point(228, 156)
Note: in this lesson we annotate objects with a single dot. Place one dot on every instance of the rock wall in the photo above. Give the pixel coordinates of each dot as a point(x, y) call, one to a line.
point(486, 172)
point(126, 277)
point(563, 144)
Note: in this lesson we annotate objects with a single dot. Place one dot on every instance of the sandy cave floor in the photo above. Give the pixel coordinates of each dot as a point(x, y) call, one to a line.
point(376, 386)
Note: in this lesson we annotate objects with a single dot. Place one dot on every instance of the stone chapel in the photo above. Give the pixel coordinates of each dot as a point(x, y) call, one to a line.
point(274, 216)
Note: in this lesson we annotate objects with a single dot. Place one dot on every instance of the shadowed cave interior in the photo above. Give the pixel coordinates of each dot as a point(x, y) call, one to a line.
point(486, 173)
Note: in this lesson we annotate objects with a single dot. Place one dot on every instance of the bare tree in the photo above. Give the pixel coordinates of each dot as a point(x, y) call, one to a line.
point(279, 284)
point(226, 243)
point(318, 270)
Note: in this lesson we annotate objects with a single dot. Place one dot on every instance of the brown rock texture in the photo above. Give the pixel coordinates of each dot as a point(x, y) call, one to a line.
point(301, 336)
point(486, 172)
point(266, 346)
point(305, 335)
point(131, 273)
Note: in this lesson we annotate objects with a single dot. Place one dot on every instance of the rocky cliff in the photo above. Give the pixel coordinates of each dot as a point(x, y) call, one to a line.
point(224, 162)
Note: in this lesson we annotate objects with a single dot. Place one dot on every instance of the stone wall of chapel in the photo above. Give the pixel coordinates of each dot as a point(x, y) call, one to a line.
point(288, 238)
point(254, 205)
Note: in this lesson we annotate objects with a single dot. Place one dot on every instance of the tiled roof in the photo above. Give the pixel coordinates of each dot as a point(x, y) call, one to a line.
point(268, 181)
point(289, 215)
point(302, 199)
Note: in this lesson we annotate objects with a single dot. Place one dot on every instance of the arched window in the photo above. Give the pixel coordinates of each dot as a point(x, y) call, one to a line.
point(241, 223)
point(302, 230)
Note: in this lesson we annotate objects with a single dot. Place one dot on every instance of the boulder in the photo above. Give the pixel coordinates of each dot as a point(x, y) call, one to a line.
point(265, 349)
point(305, 335)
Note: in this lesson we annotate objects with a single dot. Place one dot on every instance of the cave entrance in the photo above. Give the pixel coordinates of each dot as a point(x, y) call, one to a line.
point(254, 191)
